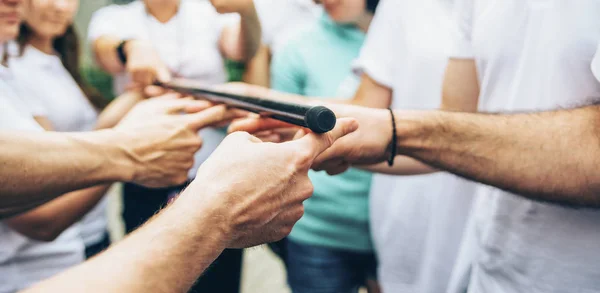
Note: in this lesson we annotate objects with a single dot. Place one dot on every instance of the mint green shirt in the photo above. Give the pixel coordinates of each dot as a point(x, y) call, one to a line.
point(318, 63)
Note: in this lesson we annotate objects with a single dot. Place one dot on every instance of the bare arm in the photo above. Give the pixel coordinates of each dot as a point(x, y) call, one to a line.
point(166, 255)
point(143, 63)
point(213, 213)
point(48, 221)
point(104, 49)
point(460, 92)
point(258, 69)
point(118, 108)
point(549, 156)
point(29, 176)
point(240, 42)
point(37, 167)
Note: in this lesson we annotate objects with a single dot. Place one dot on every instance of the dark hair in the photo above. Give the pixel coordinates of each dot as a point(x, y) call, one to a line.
point(67, 46)
point(372, 5)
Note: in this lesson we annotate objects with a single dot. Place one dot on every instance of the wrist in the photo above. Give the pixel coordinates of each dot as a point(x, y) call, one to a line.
point(207, 205)
point(105, 156)
point(131, 46)
point(247, 10)
point(119, 161)
point(414, 129)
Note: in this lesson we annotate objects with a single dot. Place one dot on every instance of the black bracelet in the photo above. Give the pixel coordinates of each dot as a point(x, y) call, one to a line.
point(121, 52)
point(394, 144)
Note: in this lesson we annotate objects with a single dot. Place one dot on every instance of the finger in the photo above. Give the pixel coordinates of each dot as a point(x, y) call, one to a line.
point(208, 117)
point(299, 134)
point(253, 125)
point(269, 137)
point(169, 96)
point(172, 105)
point(153, 91)
point(340, 168)
point(241, 135)
point(197, 106)
point(318, 143)
point(163, 74)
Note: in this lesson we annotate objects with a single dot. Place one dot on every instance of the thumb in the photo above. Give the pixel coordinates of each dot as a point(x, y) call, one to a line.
point(318, 143)
point(162, 74)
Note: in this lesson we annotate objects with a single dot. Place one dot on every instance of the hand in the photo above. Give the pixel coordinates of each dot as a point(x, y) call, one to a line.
point(160, 136)
point(144, 64)
point(256, 188)
point(368, 145)
point(233, 6)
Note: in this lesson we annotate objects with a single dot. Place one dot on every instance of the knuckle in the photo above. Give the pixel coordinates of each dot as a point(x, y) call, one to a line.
point(309, 190)
point(298, 212)
point(303, 158)
point(180, 179)
point(328, 138)
point(285, 231)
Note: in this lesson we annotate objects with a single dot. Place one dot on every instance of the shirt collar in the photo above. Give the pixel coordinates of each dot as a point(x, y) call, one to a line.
point(349, 31)
point(41, 59)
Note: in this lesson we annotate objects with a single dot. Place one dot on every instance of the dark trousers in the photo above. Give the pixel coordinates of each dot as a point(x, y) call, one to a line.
point(319, 269)
point(97, 247)
point(140, 204)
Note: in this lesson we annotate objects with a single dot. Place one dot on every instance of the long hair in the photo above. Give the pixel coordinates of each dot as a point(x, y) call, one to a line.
point(67, 46)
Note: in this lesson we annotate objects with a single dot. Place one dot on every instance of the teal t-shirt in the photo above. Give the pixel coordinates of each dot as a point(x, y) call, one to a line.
point(318, 63)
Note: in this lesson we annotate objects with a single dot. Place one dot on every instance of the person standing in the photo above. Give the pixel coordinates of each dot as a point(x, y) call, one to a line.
point(417, 221)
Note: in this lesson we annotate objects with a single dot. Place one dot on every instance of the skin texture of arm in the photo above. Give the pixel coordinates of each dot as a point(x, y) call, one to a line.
point(460, 92)
point(166, 255)
point(258, 69)
point(220, 209)
point(48, 221)
point(548, 156)
point(240, 42)
point(154, 153)
point(31, 177)
point(118, 108)
point(105, 53)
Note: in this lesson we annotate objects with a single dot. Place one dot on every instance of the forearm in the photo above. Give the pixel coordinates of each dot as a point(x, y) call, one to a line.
point(165, 255)
point(48, 221)
point(250, 34)
point(67, 162)
point(117, 109)
point(551, 156)
point(258, 68)
point(105, 51)
point(403, 166)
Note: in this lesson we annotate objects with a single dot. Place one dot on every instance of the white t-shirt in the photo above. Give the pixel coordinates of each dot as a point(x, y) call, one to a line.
point(23, 261)
point(532, 55)
point(54, 90)
point(417, 222)
point(282, 19)
point(188, 44)
point(596, 64)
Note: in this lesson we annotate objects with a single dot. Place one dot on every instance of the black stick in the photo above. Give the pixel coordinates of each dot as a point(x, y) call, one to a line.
point(319, 119)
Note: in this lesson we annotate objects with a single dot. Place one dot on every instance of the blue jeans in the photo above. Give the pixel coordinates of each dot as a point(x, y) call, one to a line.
point(317, 269)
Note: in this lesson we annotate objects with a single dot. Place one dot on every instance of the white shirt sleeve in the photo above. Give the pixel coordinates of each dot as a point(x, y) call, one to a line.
point(461, 46)
point(110, 20)
point(596, 64)
point(378, 55)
